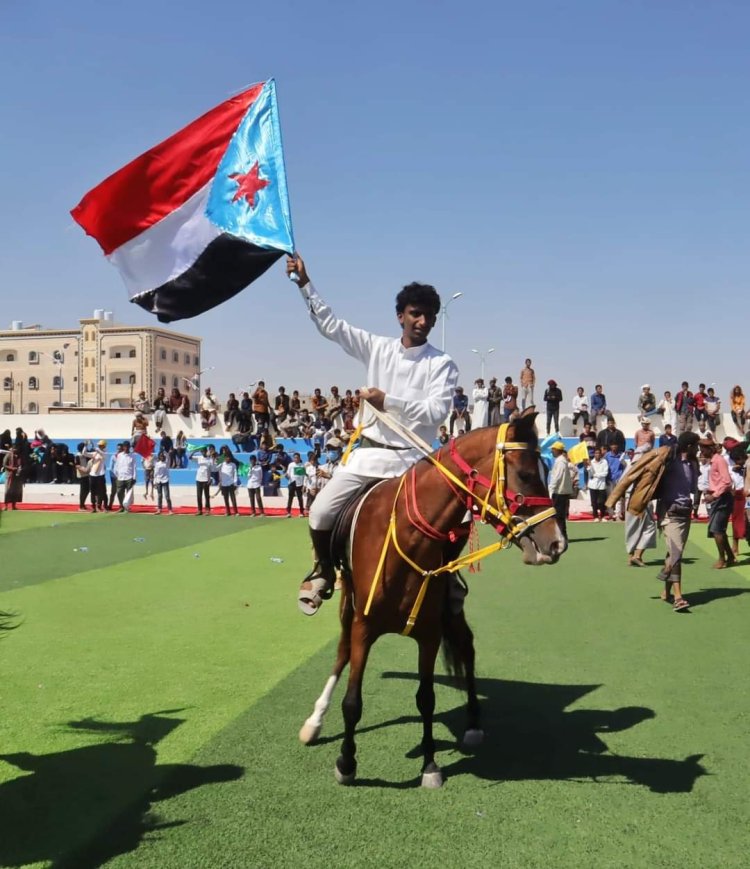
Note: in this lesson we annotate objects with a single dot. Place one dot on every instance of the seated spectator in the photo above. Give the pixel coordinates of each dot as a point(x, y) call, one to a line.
point(646, 401)
point(318, 403)
point(644, 437)
point(580, 408)
point(142, 403)
point(139, 427)
point(738, 408)
point(289, 427)
point(208, 409)
point(667, 439)
point(598, 405)
point(245, 416)
point(294, 402)
point(232, 410)
point(185, 407)
point(160, 408)
point(175, 401)
point(713, 409)
point(281, 408)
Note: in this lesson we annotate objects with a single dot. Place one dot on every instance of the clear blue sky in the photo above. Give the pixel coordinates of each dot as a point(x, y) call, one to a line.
point(578, 170)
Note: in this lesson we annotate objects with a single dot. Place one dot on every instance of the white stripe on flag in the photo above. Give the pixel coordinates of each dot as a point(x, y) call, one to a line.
point(168, 248)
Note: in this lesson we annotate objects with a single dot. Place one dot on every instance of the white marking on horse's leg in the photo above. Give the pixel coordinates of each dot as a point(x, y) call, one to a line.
point(432, 780)
point(310, 730)
point(473, 738)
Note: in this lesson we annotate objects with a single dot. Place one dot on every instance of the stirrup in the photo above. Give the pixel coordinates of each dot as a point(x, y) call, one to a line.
point(313, 591)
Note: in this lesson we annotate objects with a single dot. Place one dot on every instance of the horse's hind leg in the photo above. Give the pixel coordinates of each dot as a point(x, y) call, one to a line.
point(432, 777)
point(460, 642)
point(310, 730)
point(351, 706)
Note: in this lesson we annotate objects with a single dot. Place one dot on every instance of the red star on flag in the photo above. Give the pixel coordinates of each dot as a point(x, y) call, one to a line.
point(248, 185)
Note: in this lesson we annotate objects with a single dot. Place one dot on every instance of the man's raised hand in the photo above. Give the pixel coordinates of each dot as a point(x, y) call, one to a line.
point(296, 271)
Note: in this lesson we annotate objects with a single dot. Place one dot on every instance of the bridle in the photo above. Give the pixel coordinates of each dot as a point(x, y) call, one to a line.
point(498, 508)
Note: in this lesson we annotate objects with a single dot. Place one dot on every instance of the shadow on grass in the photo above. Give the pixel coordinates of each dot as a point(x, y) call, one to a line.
point(586, 539)
point(82, 807)
point(708, 595)
point(531, 736)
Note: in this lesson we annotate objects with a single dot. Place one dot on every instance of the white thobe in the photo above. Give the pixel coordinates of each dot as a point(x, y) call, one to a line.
point(418, 383)
point(479, 413)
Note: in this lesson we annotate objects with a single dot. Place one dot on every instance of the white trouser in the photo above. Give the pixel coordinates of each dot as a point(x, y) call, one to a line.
point(333, 496)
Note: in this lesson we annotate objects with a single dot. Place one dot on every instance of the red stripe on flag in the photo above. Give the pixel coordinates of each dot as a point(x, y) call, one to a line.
point(164, 178)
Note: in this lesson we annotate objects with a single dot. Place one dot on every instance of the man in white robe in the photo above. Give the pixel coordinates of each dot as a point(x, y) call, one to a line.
point(406, 377)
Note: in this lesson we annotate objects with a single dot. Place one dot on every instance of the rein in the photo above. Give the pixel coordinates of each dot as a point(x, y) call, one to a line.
point(506, 504)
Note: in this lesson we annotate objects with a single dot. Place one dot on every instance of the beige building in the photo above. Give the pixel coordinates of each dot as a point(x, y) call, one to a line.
point(100, 364)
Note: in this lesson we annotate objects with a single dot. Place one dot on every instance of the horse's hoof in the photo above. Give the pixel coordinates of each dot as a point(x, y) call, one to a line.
point(472, 738)
point(342, 778)
point(309, 733)
point(432, 778)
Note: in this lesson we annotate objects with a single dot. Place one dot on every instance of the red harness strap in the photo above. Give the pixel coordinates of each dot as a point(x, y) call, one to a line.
point(417, 519)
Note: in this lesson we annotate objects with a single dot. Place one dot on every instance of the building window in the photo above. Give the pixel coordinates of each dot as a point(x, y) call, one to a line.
point(163, 354)
point(10, 357)
point(6, 407)
point(33, 383)
point(85, 387)
point(196, 361)
point(57, 355)
point(33, 357)
point(57, 382)
point(175, 382)
point(7, 383)
point(186, 359)
point(175, 356)
point(118, 355)
point(118, 380)
point(132, 354)
point(33, 407)
point(163, 380)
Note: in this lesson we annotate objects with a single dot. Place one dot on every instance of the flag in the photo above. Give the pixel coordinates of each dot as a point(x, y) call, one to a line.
point(578, 453)
point(144, 446)
point(200, 216)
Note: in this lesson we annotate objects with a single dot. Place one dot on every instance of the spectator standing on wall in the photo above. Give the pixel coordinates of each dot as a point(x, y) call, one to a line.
point(553, 399)
point(667, 411)
point(494, 401)
point(161, 481)
point(737, 399)
point(479, 415)
point(684, 406)
point(261, 407)
point(527, 381)
point(713, 409)
point(510, 399)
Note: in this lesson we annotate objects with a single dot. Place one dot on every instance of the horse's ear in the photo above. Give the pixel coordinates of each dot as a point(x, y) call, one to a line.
point(527, 417)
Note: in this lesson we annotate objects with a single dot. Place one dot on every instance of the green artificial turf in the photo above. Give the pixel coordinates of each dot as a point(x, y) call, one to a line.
point(152, 702)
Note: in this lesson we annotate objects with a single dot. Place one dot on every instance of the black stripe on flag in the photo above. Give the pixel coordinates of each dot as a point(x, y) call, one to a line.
point(224, 268)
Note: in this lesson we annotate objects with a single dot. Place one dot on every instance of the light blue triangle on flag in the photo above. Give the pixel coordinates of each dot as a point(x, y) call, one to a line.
point(249, 196)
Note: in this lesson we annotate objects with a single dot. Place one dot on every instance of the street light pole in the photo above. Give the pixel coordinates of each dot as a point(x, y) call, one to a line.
point(444, 314)
point(482, 357)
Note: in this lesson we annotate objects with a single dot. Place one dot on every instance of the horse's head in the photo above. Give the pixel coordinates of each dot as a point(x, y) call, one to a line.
point(542, 542)
point(509, 482)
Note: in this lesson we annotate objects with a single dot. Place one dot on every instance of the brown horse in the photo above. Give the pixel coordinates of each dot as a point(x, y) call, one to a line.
point(405, 545)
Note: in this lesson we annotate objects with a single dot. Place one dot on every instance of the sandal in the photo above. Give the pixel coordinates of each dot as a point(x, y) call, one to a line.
point(635, 562)
point(313, 591)
point(680, 604)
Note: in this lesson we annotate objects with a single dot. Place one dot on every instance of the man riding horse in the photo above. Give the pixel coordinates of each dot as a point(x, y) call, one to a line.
point(408, 378)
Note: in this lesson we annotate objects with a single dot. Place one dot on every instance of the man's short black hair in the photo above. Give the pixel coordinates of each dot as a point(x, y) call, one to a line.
point(423, 295)
point(687, 439)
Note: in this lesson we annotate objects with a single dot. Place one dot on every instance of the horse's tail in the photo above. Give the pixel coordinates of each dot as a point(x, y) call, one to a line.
point(458, 644)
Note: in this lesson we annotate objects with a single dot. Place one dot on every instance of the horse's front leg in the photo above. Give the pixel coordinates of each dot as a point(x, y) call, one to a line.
point(351, 706)
point(432, 777)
